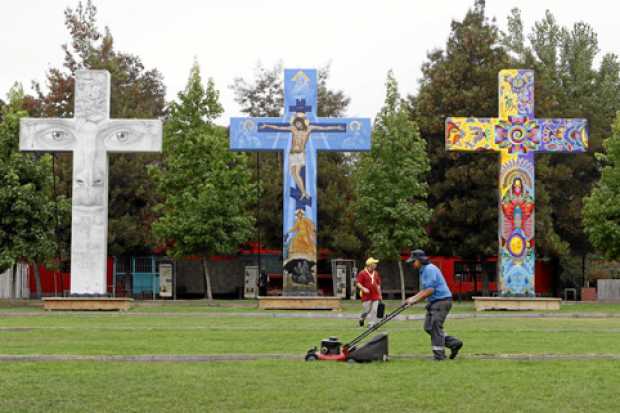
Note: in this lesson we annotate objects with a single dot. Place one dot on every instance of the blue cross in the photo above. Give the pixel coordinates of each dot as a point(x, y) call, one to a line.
point(300, 134)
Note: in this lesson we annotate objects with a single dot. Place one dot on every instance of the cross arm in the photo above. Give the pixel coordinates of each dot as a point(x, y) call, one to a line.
point(341, 134)
point(258, 134)
point(471, 134)
point(51, 134)
point(131, 135)
point(563, 135)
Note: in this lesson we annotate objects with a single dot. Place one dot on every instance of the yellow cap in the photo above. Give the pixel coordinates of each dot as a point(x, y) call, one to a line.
point(371, 261)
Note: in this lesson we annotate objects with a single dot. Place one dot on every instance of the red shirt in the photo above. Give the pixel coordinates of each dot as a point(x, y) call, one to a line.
point(372, 283)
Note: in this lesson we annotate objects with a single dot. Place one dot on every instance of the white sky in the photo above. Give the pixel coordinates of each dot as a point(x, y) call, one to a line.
point(362, 39)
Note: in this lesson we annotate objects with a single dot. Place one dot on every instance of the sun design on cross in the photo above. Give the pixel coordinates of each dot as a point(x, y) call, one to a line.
point(518, 134)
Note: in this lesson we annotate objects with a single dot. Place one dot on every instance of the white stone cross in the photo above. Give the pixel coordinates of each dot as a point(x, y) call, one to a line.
point(90, 135)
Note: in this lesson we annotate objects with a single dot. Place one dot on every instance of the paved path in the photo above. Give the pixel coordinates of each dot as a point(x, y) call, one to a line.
point(292, 357)
point(310, 315)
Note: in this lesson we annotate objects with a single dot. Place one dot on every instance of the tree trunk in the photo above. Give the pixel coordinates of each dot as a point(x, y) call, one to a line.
point(402, 279)
point(207, 278)
point(586, 282)
point(37, 279)
point(13, 282)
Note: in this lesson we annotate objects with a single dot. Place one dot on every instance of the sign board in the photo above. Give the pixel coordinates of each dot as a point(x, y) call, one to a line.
point(340, 281)
point(250, 289)
point(165, 280)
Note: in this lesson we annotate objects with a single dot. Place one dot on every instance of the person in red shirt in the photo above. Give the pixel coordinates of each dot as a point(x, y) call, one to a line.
point(369, 282)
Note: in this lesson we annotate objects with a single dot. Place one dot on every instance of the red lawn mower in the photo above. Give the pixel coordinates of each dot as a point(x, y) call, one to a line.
point(376, 349)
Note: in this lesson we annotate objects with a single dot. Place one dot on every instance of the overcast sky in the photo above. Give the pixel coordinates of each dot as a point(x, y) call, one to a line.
point(361, 39)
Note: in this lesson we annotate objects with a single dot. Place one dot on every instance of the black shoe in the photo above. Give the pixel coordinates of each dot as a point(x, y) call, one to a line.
point(435, 358)
point(361, 322)
point(455, 350)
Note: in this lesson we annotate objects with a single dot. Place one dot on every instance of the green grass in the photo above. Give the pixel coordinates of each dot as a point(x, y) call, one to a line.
point(287, 386)
point(466, 384)
point(194, 334)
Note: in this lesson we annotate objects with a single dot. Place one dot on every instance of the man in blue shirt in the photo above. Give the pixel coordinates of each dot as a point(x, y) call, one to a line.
point(434, 289)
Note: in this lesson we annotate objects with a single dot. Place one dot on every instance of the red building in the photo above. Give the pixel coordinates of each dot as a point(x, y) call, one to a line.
point(464, 277)
point(468, 277)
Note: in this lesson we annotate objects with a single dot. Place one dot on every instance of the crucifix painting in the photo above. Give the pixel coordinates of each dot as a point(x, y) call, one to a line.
point(299, 134)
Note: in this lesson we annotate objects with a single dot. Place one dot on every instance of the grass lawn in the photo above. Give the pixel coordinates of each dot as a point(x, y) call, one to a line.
point(465, 384)
point(288, 386)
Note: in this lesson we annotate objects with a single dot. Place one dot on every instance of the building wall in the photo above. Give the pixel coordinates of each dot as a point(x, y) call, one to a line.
point(15, 285)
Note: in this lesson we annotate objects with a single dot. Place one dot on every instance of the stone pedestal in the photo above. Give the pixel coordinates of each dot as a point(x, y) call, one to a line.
point(299, 303)
point(516, 303)
point(87, 304)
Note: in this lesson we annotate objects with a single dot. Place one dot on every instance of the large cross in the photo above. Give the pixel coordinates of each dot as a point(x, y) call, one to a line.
point(90, 135)
point(516, 134)
point(299, 134)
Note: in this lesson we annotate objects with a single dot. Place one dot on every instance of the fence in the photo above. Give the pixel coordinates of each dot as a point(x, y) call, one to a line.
point(608, 290)
point(15, 284)
point(136, 276)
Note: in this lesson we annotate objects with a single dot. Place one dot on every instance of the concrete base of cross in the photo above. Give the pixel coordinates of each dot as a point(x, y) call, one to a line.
point(299, 303)
point(517, 303)
point(87, 304)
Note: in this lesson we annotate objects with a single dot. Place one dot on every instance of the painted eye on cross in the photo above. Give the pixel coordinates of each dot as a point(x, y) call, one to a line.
point(55, 137)
point(122, 136)
point(118, 138)
point(58, 135)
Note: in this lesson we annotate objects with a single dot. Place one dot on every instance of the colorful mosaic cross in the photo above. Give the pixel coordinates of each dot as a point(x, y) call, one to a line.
point(516, 134)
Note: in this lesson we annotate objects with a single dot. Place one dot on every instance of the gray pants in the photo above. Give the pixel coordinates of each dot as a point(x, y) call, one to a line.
point(370, 312)
point(436, 314)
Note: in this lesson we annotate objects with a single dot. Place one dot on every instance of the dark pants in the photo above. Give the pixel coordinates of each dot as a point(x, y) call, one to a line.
point(436, 314)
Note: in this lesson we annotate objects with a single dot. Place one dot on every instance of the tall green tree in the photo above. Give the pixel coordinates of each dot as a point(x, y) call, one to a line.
point(391, 183)
point(29, 210)
point(135, 93)
point(264, 96)
point(601, 212)
point(205, 188)
point(568, 84)
point(461, 80)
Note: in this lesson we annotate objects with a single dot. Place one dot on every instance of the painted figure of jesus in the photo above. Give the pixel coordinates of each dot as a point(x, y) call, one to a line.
point(300, 129)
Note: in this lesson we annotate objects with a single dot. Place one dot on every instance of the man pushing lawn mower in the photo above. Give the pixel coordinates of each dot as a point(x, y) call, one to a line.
point(433, 287)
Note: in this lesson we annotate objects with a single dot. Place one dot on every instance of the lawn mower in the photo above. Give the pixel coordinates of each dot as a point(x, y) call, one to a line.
point(376, 349)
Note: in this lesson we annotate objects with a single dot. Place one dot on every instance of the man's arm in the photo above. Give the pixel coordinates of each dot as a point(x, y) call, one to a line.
point(420, 296)
point(275, 127)
point(333, 127)
point(361, 287)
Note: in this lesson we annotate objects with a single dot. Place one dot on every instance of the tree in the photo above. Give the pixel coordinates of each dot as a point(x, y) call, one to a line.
point(569, 85)
point(601, 212)
point(29, 211)
point(205, 188)
point(135, 93)
point(391, 184)
point(264, 96)
point(461, 81)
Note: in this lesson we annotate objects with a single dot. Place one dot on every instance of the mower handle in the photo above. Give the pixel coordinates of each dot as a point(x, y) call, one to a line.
point(375, 327)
